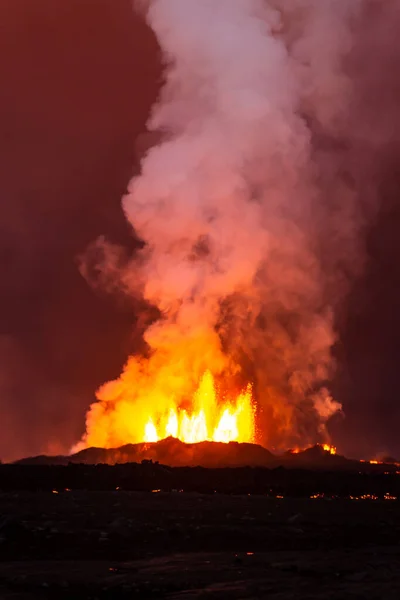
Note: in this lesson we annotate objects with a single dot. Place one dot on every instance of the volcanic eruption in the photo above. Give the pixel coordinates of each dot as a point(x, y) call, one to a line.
point(237, 254)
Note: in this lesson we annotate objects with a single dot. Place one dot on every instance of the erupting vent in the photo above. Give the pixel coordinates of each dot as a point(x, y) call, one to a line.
point(231, 215)
point(211, 420)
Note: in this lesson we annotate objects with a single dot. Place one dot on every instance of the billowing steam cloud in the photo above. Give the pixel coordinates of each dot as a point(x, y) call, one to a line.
point(244, 247)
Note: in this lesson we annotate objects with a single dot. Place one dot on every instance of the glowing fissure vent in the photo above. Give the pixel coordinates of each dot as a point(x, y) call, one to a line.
point(210, 420)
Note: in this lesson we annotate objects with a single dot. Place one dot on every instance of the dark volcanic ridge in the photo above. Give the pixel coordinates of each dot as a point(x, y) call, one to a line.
point(174, 453)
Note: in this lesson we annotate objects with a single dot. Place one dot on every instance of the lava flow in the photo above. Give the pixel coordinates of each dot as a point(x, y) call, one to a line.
point(210, 420)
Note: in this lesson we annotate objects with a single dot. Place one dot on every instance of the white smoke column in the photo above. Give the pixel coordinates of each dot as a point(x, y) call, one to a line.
point(229, 102)
point(228, 210)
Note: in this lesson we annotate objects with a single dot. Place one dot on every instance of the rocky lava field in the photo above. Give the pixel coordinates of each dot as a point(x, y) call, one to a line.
point(311, 525)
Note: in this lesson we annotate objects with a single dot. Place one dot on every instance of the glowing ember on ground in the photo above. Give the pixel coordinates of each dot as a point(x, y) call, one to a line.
point(389, 496)
point(211, 420)
point(365, 497)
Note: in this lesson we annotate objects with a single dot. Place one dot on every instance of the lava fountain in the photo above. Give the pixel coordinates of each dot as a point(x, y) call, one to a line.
point(232, 420)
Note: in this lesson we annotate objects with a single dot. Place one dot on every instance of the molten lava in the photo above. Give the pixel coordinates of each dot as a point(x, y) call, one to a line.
point(151, 402)
point(328, 448)
point(325, 447)
point(211, 420)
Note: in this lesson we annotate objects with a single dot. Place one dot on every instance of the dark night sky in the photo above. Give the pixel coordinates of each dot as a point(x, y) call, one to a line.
point(77, 80)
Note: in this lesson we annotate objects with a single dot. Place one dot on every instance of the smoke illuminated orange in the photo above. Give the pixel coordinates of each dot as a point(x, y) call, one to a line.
point(147, 406)
point(211, 420)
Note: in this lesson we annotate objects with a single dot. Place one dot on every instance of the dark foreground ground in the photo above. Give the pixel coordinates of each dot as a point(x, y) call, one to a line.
point(124, 544)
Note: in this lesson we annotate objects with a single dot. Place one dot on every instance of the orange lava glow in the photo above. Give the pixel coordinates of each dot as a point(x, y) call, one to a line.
point(228, 421)
point(328, 448)
point(325, 447)
point(157, 403)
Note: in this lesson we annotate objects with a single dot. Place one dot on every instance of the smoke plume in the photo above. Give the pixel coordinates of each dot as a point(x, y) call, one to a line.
point(251, 231)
